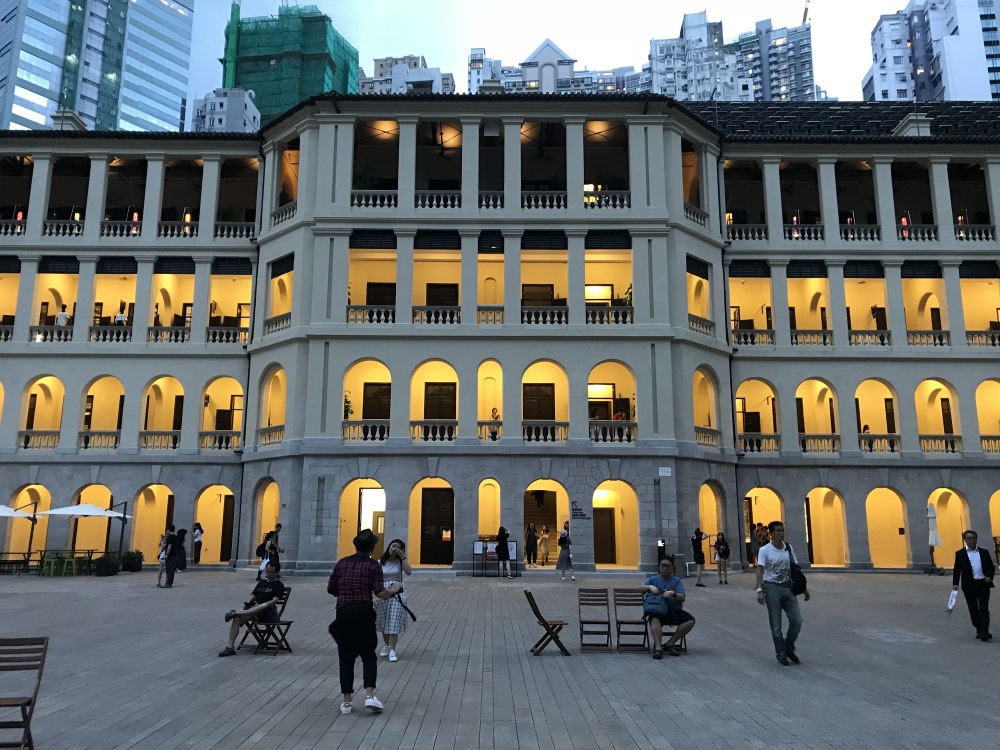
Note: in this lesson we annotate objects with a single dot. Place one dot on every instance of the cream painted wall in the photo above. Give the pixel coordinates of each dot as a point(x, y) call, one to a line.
point(767, 505)
point(886, 513)
point(861, 296)
point(807, 296)
point(9, 284)
point(705, 411)
point(19, 529)
point(209, 511)
point(375, 266)
point(609, 267)
point(709, 509)
point(757, 393)
point(431, 372)
point(987, 407)
point(161, 395)
point(220, 393)
point(49, 404)
point(871, 396)
point(549, 372)
point(928, 404)
point(490, 278)
point(546, 267)
point(1, 401)
point(562, 511)
point(367, 371)
point(111, 291)
point(150, 510)
point(57, 289)
point(751, 296)
point(171, 292)
point(489, 507)
point(699, 297)
point(348, 520)
point(621, 498)
point(980, 303)
point(490, 389)
point(995, 513)
point(272, 412)
point(953, 519)
point(227, 292)
point(413, 527)
point(268, 508)
point(829, 533)
point(919, 296)
point(107, 392)
point(280, 295)
point(92, 533)
point(815, 406)
point(435, 267)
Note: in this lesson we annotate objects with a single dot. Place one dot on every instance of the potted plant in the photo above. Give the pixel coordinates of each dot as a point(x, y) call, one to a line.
point(132, 561)
point(348, 406)
point(107, 565)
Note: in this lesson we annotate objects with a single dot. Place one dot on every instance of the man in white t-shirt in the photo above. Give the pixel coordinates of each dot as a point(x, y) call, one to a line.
point(62, 317)
point(774, 588)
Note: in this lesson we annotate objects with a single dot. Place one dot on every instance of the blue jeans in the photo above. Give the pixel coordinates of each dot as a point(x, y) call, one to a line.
point(780, 597)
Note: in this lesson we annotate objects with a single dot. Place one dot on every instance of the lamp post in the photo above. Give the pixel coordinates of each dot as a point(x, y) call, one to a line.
point(34, 520)
point(124, 520)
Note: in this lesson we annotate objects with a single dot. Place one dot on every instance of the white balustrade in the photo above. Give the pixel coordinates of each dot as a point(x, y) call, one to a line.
point(235, 230)
point(870, 338)
point(121, 229)
point(6, 333)
point(860, 232)
point(284, 213)
point(544, 431)
point(227, 335)
point(277, 323)
point(365, 431)
point(489, 315)
point(819, 443)
point(758, 442)
point(753, 337)
point(374, 198)
point(434, 315)
point(941, 443)
point(168, 334)
point(434, 430)
point(12, 227)
point(62, 228)
point(991, 445)
point(437, 199)
point(696, 215)
point(612, 431)
point(975, 232)
point(804, 337)
point(706, 437)
point(111, 334)
point(928, 338)
point(615, 315)
point(177, 229)
point(50, 334)
point(746, 232)
point(872, 442)
point(371, 314)
point(490, 429)
point(610, 199)
point(538, 199)
point(159, 440)
point(545, 316)
point(220, 440)
point(38, 439)
point(916, 232)
point(701, 325)
point(982, 338)
point(98, 440)
point(491, 199)
point(804, 232)
point(270, 435)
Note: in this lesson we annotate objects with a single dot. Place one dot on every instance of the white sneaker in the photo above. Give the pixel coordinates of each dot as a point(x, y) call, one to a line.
point(374, 705)
point(345, 708)
point(572, 578)
point(384, 651)
point(392, 655)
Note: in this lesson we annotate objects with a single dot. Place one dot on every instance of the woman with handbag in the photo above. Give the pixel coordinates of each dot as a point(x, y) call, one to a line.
point(565, 561)
point(664, 605)
point(503, 552)
point(722, 557)
point(390, 617)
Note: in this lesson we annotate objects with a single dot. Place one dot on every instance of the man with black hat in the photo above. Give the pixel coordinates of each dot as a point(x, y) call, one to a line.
point(355, 579)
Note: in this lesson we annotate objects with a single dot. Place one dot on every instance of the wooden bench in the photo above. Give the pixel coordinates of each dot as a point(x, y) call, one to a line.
point(20, 655)
point(270, 637)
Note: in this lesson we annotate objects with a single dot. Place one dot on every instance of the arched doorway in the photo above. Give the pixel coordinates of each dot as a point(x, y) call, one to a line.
point(757, 417)
point(611, 404)
point(489, 508)
point(367, 402)
point(616, 525)
point(101, 421)
point(22, 535)
point(710, 518)
point(545, 403)
point(490, 400)
point(162, 414)
point(952, 519)
point(706, 413)
point(888, 539)
point(154, 511)
point(816, 417)
point(434, 402)
point(761, 505)
point(432, 522)
point(995, 513)
point(221, 418)
point(41, 414)
point(546, 503)
point(94, 533)
point(826, 528)
point(268, 506)
point(875, 413)
point(988, 411)
point(271, 429)
point(362, 506)
point(215, 510)
point(938, 418)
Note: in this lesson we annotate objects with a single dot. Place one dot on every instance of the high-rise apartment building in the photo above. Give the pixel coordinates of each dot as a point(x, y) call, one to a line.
point(777, 62)
point(226, 111)
point(115, 64)
point(287, 58)
point(547, 70)
point(935, 51)
point(401, 75)
point(696, 66)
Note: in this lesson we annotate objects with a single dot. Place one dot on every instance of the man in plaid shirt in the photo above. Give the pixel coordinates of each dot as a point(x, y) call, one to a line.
point(354, 581)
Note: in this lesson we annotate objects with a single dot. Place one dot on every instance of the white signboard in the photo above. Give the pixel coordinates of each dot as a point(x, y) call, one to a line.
point(666, 471)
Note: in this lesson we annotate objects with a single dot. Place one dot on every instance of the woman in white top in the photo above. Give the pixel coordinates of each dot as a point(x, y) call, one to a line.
point(390, 618)
point(196, 536)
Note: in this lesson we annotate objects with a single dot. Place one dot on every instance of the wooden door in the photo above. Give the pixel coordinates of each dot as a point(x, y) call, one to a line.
point(437, 526)
point(604, 536)
point(226, 533)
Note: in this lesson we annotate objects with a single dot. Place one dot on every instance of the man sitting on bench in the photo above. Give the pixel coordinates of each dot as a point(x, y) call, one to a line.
point(671, 588)
point(263, 606)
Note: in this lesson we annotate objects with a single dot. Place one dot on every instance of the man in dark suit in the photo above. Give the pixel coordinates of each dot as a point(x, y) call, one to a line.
point(974, 568)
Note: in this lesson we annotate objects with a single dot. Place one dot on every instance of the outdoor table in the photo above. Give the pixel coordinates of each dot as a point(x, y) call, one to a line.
point(16, 562)
point(66, 553)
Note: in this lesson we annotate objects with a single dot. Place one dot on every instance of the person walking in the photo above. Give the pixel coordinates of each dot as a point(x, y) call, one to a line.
point(181, 551)
point(162, 559)
point(774, 588)
point(268, 553)
point(756, 534)
point(698, 551)
point(722, 557)
point(354, 581)
point(974, 570)
point(196, 535)
point(565, 560)
point(390, 617)
point(169, 558)
point(531, 546)
point(503, 551)
point(543, 545)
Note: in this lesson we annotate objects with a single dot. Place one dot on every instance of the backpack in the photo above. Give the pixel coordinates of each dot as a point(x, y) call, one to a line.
point(261, 550)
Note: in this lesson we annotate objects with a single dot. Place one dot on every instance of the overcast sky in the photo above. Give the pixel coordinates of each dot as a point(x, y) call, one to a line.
point(598, 35)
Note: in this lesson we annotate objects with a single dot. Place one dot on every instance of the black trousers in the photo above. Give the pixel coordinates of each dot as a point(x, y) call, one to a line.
point(171, 569)
point(196, 552)
point(355, 634)
point(977, 596)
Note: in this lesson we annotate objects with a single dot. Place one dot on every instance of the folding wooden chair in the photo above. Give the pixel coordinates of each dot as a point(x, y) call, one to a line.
point(270, 636)
point(20, 655)
point(552, 629)
point(595, 619)
point(630, 622)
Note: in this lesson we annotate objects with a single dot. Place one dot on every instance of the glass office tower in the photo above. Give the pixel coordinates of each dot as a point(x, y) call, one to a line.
point(117, 64)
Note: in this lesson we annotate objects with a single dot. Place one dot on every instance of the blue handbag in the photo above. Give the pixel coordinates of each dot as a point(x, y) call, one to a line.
point(654, 604)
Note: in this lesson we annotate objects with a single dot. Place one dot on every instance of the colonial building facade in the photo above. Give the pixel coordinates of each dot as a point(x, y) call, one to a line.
point(433, 315)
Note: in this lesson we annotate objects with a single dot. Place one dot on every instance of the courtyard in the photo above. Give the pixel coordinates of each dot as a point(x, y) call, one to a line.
point(131, 666)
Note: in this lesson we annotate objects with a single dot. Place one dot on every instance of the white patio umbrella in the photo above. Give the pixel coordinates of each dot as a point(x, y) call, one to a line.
point(83, 509)
point(934, 539)
point(6, 512)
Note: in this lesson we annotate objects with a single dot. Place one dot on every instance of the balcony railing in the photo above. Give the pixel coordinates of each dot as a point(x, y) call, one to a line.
point(746, 232)
point(941, 443)
point(819, 443)
point(6, 333)
point(374, 198)
point(535, 199)
point(277, 323)
point(490, 199)
point(435, 430)
point(812, 338)
point(613, 431)
point(489, 429)
point(928, 338)
point(701, 325)
point(62, 228)
point(870, 338)
point(219, 440)
point(545, 316)
point(614, 315)
point(870, 442)
point(437, 199)
point(235, 230)
point(371, 314)
point(991, 444)
point(706, 437)
point(489, 315)
point(49, 334)
point(168, 334)
point(982, 338)
point(860, 232)
point(916, 232)
point(804, 232)
point(270, 435)
point(758, 442)
point(600, 199)
point(98, 440)
point(975, 232)
point(437, 315)
point(121, 229)
point(111, 334)
point(177, 229)
point(159, 440)
point(38, 439)
point(227, 335)
point(696, 215)
point(365, 431)
point(544, 431)
point(284, 213)
point(12, 227)
point(753, 337)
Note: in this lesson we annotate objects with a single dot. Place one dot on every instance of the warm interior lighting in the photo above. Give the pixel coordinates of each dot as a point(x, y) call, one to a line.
point(600, 390)
point(729, 218)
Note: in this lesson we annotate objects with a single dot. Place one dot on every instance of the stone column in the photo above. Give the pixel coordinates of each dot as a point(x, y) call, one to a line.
point(302, 288)
point(512, 279)
point(717, 301)
point(512, 163)
point(270, 179)
point(469, 286)
point(972, 441)
point(674, 173)
point(859, 555)
point(343, 166)
point(829, 210)
point(953, 304)
point(470, 165)
point(404, 276)
point(644, 245)
point(885, 202)
point(708, 158)
point(468, 402)
point(772, 200)
point(894, 293)
point(309, 154)
point(779, 302)
point(84, 299)
point(24, 313)
point(153, 196)
point(991, 167)
point(202, 292)
point(208, 208)
point(511, 408)
point(838, 303)
point(944, 217)
point(332, 282)
point(142, 314)
point(646, 184)
point(38, 197)
point(576, 259)
point(97, 188)
point(574, 163)
point(675, 281)
point(407, 176)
